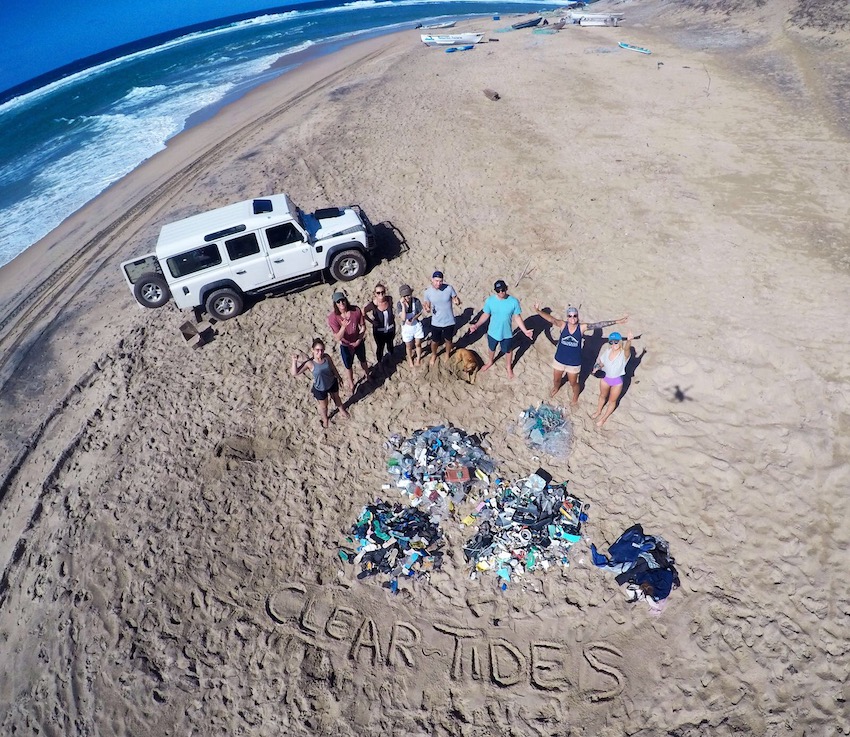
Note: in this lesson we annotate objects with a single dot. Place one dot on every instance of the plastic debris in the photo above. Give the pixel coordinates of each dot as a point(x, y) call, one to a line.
point(437, 467)
point(527, 525)
point(400, 541)
point(547, 429)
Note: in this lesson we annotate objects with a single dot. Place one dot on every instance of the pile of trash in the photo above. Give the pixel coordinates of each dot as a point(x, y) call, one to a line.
point(547, 429)
point(527, 525)
point(396, 540)
point(437, 467)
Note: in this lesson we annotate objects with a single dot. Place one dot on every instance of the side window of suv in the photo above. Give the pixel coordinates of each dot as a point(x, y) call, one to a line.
point(196, 260)
point(244, 245)
point(283, 235)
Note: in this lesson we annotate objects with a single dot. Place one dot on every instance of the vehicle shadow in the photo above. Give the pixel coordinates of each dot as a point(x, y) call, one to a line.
point(390, 242)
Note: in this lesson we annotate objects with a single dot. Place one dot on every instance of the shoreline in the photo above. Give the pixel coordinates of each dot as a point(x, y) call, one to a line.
point(284, 65)
point(183, 585)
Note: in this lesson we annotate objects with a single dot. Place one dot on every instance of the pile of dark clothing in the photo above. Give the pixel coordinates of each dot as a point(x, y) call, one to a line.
point(396, 540)
point(643, 562)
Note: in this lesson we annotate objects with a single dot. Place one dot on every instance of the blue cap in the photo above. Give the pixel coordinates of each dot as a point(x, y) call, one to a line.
point(615, 336)
point(437, 275)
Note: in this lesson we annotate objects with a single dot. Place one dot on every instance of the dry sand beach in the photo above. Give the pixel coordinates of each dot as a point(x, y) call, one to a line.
point(169, 517)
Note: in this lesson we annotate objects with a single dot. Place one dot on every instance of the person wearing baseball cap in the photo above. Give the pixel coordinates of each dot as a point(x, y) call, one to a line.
point(612, 360)
point(568, 353)
point(439, 300)
point(349, 328)
point(503, 312)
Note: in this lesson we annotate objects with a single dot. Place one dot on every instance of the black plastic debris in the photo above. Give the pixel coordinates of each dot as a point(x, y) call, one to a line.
point(395, 540)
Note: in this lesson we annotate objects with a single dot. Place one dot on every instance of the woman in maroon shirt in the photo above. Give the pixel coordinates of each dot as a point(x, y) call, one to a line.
point(349, 328)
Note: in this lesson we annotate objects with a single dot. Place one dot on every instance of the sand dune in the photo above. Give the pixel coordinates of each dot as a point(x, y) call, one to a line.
point(170, 517)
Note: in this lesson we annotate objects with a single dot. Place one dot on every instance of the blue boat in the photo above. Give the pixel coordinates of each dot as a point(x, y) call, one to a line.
point(629, 47)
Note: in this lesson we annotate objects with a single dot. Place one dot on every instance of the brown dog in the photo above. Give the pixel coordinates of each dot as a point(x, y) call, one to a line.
point(466, 363)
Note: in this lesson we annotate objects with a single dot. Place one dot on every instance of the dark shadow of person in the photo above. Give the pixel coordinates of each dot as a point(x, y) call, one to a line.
point(631, 367)
point(537, 325)
point(591, 346)
point(467, 317)
point(364, 387)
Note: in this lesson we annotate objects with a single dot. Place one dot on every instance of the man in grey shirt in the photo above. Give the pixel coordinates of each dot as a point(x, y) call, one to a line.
point(438, 300)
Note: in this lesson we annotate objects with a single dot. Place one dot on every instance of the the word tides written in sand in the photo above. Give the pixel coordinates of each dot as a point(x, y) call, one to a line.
point(470, 654)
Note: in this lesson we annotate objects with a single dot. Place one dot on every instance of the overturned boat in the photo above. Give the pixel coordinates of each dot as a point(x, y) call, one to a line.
point(451, 39)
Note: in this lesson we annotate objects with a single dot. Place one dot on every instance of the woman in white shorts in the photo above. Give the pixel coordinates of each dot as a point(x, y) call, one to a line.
point(409, 310)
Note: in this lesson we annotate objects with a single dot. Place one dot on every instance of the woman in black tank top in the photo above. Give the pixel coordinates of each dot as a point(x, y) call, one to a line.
point(379, 313)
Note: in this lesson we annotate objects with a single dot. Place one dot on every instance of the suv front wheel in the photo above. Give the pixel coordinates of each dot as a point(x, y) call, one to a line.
point(348, 265)
point(223, 304)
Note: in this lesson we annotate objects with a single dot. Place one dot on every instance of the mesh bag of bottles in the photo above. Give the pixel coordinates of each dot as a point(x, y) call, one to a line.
point(546, 429)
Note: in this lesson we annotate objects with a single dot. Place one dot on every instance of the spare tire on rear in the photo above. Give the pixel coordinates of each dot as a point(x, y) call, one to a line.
point(151, 290)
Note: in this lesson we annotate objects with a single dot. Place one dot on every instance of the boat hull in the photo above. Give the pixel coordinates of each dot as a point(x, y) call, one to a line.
point(451, 39)
point(527, 23)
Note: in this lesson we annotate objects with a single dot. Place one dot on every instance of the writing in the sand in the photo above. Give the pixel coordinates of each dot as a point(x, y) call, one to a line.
point(469, 653)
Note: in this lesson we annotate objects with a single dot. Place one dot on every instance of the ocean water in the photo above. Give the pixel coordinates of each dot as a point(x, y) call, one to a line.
point(66, 141)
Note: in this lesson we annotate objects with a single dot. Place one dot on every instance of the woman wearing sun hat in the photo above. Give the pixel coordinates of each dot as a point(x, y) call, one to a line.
point(409, 310)
point(612, 360)
point(568, 353)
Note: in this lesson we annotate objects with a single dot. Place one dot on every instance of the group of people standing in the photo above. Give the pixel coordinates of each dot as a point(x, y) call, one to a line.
point(502, 314)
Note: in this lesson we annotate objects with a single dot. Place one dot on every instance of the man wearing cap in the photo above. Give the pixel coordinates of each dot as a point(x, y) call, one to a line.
point(503, 313)
point(438, 300)
point(568, 353)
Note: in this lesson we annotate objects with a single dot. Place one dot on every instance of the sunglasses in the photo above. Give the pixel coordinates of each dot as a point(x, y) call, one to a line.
point(340, 301)
point(613, 342)
point(499, 291)
point(380, 291)
point(572, 314)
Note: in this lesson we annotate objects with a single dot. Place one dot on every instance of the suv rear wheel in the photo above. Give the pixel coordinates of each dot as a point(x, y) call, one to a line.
point(223, 304)
point(151, 290)
point(348, 265)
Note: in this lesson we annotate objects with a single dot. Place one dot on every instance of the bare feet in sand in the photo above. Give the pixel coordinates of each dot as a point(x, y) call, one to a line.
point(486, 366)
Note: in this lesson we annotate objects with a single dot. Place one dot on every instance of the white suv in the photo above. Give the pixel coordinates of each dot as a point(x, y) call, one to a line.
point(213, 259)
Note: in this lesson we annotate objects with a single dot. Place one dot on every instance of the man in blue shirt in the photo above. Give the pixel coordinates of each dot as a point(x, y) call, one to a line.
point(504, 313)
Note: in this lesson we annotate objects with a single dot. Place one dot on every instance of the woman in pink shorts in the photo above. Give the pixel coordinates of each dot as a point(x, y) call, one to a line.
point(612, 360)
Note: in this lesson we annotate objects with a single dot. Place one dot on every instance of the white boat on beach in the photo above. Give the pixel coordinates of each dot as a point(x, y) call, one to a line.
point(596, 19)
point(435, 26)
point(451, 39)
